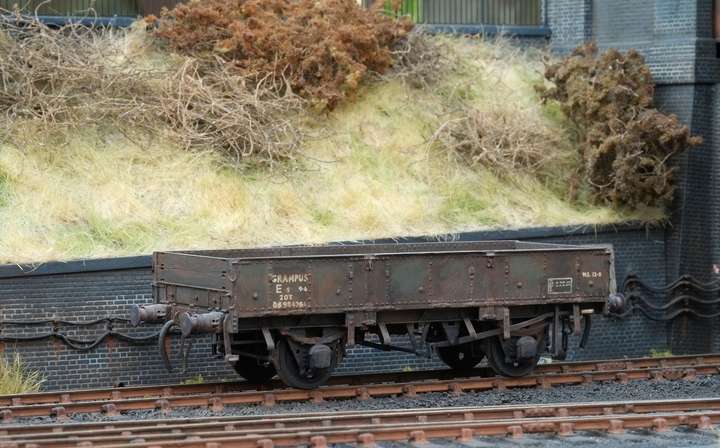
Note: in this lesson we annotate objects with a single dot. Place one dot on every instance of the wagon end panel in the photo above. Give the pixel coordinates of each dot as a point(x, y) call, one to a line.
point(195, 282)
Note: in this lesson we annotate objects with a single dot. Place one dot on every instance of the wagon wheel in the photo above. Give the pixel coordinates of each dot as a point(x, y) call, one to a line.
point(301, 376)
point(254, 370)
point(496, 350)
point(460, 357)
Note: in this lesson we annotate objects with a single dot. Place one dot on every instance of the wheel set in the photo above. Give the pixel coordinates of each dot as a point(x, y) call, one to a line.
point(307, 365)
point(499, 354)
point(296, 367)
point(297, 364)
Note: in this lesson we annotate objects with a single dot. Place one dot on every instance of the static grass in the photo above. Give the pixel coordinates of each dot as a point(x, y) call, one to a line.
point(662, 352)
point(4, 187)
point(16, 378)
point(372, 168)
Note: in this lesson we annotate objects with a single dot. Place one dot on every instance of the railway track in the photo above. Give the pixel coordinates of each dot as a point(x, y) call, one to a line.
point(216, 396)
point(366, 428)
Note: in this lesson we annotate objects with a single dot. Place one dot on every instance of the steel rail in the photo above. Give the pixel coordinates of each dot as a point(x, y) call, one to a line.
point(217, 401)
point(168, 431)
point(167, 390)
point(420, 433)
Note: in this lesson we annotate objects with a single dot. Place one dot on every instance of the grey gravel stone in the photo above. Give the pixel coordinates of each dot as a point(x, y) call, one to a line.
point(679, 438)
point(702, 387)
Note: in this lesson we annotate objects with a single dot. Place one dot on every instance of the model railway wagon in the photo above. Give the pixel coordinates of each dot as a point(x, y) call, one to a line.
point(293, 310)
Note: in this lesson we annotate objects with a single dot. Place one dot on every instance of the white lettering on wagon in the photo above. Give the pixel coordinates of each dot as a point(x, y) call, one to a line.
point(291, 290)
point(291, 278)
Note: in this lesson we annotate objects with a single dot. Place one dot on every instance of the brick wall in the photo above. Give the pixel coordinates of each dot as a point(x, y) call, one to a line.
point(622, 21)
point(86, 297)
point(675, 36)
point(105, 289)
point(570, 22)
point(714, 212)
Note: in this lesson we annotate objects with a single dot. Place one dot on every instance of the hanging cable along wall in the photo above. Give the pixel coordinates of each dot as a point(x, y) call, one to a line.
point(684, 296)
point(72, 342)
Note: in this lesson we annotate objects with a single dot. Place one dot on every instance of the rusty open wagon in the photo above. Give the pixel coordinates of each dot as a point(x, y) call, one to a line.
point(293, 310)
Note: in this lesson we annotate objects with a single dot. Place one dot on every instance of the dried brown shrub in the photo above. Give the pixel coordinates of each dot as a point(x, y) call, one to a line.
point(322, 49)
point(76, 76)
point(626, 144)
point(503, 139)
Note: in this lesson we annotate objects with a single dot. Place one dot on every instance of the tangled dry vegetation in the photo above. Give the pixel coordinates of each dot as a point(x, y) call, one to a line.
point(505, 140)
point(627, 146)
point(503, 128)
point(419, 61)
point(75, 77)
point(319, 49)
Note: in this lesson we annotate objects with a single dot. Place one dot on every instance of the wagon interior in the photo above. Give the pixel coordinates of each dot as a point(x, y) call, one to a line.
point(398, 247)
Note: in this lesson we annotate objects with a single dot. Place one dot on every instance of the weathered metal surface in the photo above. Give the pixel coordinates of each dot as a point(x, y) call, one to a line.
point(148, 313)
point(333, 279)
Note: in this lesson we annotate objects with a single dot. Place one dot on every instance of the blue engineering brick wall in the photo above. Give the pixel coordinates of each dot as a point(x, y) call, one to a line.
point(86, 296)
point(570, 22)
point(676, 38)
